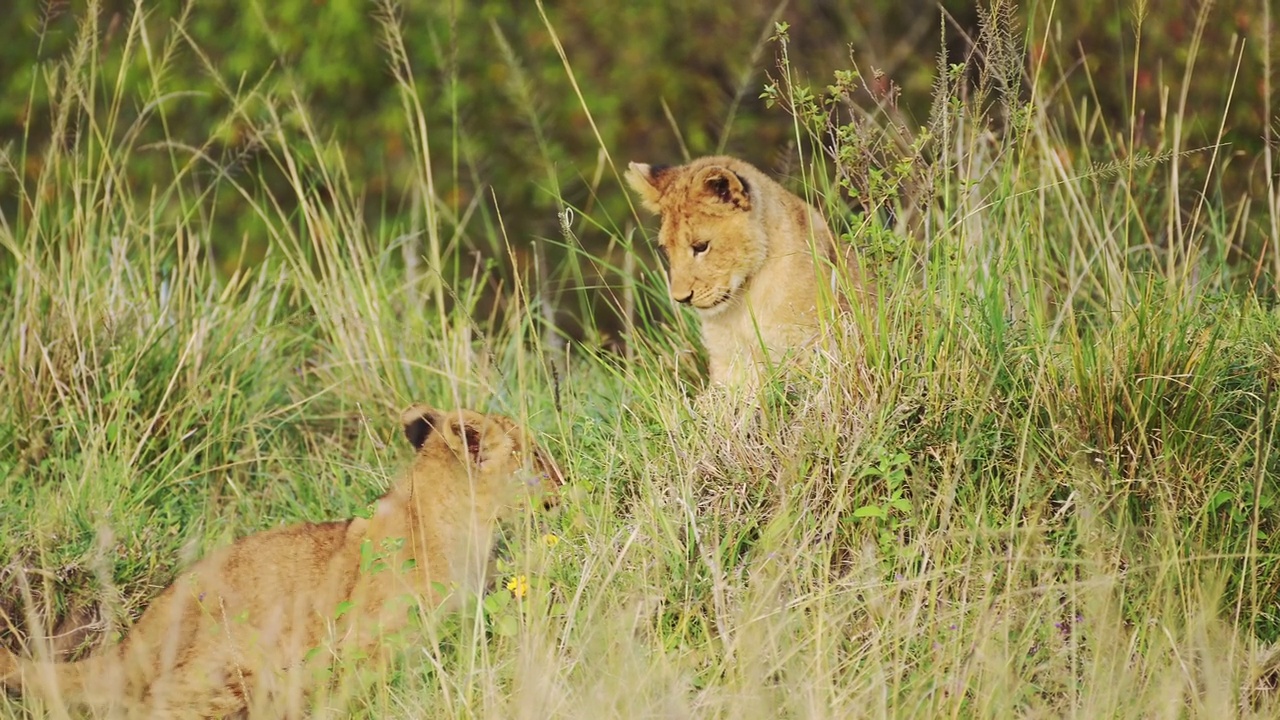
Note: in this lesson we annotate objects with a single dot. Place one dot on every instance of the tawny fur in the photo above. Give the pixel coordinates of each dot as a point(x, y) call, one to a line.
point(243, 630)
point(751, 257)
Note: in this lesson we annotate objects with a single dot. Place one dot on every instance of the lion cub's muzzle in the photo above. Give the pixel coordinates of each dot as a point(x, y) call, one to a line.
point(710, 300)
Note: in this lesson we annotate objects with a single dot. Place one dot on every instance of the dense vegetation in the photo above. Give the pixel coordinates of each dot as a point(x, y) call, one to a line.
point(516, 115)
point(1039, 480)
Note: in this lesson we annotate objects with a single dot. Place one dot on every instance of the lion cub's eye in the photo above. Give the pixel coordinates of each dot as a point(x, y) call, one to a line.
point(699, 247)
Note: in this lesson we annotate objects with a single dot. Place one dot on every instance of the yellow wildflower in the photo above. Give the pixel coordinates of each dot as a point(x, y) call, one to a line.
point(551, 540)
point(519, 586)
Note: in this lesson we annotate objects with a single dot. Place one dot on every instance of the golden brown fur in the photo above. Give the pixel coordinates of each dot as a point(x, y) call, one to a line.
point(747, 254)
point(244, 629)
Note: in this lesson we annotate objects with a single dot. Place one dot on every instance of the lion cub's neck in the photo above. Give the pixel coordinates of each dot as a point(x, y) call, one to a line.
point(779, 308)
point(425, 555)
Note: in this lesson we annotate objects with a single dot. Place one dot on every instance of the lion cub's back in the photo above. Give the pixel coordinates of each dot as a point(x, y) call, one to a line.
point(271, 583)
point(279, 566)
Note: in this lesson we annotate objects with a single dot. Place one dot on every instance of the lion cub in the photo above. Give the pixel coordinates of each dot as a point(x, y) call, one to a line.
point(242, 629)
point(747, 254)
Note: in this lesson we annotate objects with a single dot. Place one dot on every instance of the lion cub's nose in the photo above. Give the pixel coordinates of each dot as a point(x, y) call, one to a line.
point(686, 299)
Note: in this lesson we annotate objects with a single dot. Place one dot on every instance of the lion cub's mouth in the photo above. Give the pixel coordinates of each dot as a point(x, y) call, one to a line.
point(718, 304)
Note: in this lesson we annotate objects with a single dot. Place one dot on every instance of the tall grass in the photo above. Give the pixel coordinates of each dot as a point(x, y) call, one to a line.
point(1041, 482)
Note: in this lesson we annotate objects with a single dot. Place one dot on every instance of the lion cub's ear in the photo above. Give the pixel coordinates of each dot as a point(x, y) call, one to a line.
point(419, 421)
point(472, 437)
point(723, 186)
point(649, 182)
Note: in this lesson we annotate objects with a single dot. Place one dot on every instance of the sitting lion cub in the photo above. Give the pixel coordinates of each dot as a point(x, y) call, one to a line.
point(747, 254)
point(238, 631)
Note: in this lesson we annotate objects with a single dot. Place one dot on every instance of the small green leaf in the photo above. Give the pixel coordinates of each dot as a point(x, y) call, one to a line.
point(506, 626)
point(1220, 499)
point(495, 601)
point(344, 607)
point(870, 511)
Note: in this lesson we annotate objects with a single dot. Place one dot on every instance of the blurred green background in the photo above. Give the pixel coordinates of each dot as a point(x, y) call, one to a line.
point(509, 137)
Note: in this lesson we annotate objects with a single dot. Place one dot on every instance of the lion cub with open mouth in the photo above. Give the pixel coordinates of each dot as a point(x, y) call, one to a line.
point(751, 257)
point(241, 630)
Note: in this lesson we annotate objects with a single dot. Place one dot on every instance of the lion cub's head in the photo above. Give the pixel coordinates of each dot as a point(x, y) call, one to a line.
point(491, 459)
point(712, 234)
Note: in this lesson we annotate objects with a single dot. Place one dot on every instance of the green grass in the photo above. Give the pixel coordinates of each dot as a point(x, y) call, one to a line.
point(1040, 481)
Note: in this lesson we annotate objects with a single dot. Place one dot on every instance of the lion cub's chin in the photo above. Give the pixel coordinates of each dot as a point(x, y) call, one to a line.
point(305, 596)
